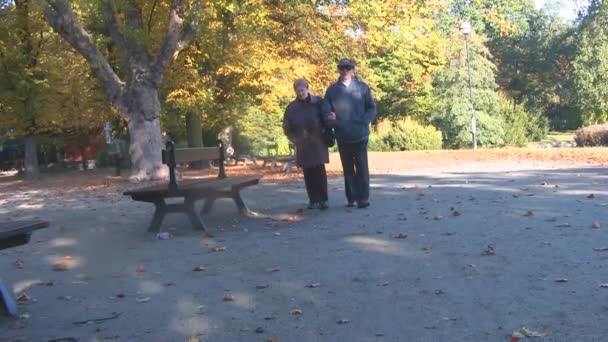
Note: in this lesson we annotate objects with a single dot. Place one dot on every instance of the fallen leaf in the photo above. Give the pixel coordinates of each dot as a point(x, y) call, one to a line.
point(19, 264)
point(530, 213)
point(218, 249)
point(595, 224)
point(400, 236)
point(591, 196)
point(438, 217)
point(273, 269)
point(199, 269)
point(277, 234)
point(262, 286)
point(143, 299)
point(552, 219)
point(229, 298)
point(525, 332)
point(259, 330)
point(439, 292)
point(489, 250)
point(24, 316)
point(273, 339)
point(561, 280)
point(456, 213)
point(313, 285)
point(140, 268)
point(563, 225)
point(605, 285)
point(296, 312)
point(427, 248)
point(343, 321)
point(61, 266)
point(601, 249)
point(24, 299)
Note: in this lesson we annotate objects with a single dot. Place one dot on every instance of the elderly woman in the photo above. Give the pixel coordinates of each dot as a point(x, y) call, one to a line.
point(303, 126)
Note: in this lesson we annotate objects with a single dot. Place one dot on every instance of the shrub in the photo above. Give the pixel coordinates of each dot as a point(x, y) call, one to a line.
point(404, 135)
point(516, 122)
point(595, 135)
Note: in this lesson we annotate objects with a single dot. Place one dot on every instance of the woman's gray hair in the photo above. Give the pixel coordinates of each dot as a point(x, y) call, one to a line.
point(300, 82)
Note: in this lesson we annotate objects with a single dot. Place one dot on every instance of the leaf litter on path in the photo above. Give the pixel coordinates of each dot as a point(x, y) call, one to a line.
point(489, 250)
point(524, 332)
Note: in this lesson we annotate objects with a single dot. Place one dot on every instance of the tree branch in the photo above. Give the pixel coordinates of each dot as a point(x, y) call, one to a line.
point(179, 35)
point(62, 20)
point(108, 9)
point(129, 46)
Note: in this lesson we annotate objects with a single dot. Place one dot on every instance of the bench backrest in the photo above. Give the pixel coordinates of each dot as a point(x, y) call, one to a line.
point(172, 156)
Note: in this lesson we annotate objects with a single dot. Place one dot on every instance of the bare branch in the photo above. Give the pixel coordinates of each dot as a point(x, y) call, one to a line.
point(62, 20)
point(151, 15)
point(179, 35)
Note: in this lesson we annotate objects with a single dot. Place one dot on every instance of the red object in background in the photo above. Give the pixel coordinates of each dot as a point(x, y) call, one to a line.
point(92, 146)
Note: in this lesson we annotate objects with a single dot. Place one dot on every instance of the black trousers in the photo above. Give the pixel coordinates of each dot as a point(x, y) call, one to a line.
point(316, 183)
point(356, 170)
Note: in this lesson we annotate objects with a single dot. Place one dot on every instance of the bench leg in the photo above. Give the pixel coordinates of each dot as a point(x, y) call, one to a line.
point(159, 214)
point(209, 202)
point(7, 302)
point(240, 204)
point(196, 221)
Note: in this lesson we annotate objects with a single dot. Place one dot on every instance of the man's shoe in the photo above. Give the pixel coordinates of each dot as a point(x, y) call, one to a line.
point(312, 205)
point(350, 204)
point(323, 205)
point(362, 204)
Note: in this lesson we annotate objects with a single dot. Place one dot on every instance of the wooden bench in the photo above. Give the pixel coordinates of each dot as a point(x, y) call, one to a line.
point(193, 190)
point(14, 234)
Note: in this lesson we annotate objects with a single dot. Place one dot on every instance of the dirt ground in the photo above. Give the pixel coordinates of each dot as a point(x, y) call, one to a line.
point(456, 246)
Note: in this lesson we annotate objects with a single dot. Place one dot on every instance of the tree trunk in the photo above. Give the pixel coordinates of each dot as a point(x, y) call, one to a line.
point(195, 132)
point(145, 150)
point(32, 170)
point(195, 135)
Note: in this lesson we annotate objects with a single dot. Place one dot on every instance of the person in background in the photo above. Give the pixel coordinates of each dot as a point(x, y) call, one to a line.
point(303, 126)
point(349, 108)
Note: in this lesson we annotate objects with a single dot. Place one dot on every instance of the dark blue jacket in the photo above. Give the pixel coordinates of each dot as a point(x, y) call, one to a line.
point(355, 109)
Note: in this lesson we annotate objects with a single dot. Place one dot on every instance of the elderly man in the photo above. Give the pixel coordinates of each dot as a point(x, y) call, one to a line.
point(349, 108)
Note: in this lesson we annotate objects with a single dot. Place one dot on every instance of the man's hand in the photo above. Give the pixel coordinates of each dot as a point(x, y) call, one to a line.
point(331, 116)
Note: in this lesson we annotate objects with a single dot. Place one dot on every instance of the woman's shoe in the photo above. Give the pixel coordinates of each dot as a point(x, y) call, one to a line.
point(362, 204)
point(323, 205)
point(312, 205)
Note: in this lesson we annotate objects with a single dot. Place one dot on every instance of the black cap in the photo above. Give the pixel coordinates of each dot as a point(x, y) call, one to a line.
point(346, 62)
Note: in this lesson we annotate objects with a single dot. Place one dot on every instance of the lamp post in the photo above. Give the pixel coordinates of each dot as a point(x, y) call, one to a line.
point(466, 29)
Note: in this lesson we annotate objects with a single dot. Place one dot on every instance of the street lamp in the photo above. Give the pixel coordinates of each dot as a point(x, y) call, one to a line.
point(465, 27)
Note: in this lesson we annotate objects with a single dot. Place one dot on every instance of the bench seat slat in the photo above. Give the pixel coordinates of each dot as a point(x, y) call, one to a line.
point(196, 154)
point(9, 229)
point(197, 185)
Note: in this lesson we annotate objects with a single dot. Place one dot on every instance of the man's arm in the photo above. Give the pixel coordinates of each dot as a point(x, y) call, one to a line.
point(327, 111)
point(370, 106)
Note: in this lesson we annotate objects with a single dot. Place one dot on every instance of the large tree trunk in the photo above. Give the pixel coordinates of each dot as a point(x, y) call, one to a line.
point(32, 170)
point(145, 149)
